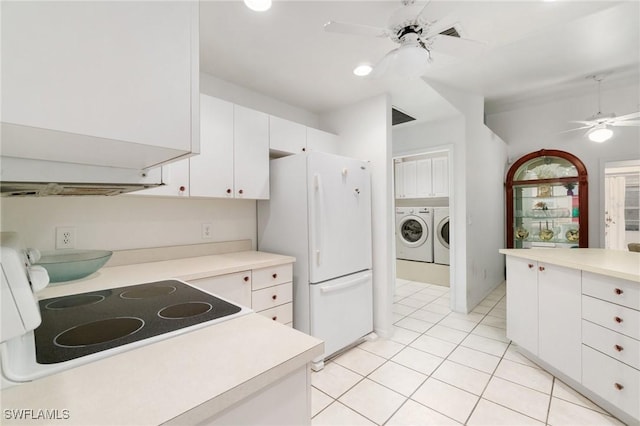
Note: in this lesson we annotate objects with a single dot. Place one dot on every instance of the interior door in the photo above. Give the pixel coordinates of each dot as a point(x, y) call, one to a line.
point(339, 191)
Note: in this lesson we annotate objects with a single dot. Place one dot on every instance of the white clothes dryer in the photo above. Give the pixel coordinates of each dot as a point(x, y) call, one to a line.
point(414, 233)
point(441, 239)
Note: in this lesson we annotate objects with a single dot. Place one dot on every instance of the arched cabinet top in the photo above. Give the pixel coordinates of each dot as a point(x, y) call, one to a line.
point(547, 164)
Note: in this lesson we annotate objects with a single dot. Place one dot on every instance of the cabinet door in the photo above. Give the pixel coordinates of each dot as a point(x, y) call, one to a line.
point(234, 287)
point(440, 176)
point(212, 171)
point(92, 74)
point(522, 303)
point(286, 136)
point(560, 322)
point(424, 186)
point(318, 140)
point(409, 173)
point(251, 157)
point(175, 177)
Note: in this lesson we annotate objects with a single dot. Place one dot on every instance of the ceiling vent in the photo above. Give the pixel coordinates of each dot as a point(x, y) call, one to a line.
point(452, 32)
point(399, 117)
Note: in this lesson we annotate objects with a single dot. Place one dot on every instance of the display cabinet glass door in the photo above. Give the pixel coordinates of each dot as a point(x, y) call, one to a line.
point(547, 201)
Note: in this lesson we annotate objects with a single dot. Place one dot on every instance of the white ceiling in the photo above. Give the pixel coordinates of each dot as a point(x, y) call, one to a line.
point(532, 47)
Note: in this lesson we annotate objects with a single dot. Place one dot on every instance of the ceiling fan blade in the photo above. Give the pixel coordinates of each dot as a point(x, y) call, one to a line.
point(590, 123)
point(455, 46)
point(577, 128)
point(625, 123)
point(628, 116)
point(384, 65)
point(356, 29)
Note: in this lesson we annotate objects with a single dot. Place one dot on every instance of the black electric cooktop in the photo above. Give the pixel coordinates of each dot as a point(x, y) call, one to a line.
point(82, 324)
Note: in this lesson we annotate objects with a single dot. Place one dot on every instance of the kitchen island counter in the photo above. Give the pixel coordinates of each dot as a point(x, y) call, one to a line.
point(196, 375)
point(613, 263)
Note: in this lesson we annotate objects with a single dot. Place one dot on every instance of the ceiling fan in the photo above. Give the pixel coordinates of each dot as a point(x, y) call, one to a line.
point(418, 36)
point(599, 123)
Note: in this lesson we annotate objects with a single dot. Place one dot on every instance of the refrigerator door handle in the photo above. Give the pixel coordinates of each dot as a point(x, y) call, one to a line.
point(341, 286)
point(318, 212)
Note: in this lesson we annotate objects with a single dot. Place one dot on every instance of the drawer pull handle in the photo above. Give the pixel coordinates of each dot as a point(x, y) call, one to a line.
point(274, 318)
point(541, 268)
point(246, 279)
point(618, 386)
point(274, 297)
point(530, 265)
point(274, 276)
point(618, 348)
point(618, 291)
point(618, 320)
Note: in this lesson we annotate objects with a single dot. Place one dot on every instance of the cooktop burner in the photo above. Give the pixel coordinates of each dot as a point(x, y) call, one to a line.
point(82, 324)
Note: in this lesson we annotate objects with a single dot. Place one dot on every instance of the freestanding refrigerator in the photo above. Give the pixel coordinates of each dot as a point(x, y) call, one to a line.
point(319, 211)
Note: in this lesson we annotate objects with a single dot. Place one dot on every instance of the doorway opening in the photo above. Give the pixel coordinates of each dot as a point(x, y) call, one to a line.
point(621, 204)
point(422, 206)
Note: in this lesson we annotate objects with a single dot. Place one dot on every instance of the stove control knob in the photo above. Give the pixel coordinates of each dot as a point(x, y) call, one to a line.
point(38, 277)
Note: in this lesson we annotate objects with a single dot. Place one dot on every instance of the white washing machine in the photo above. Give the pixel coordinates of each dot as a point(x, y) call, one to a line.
point(414, 233)
point(441, 238)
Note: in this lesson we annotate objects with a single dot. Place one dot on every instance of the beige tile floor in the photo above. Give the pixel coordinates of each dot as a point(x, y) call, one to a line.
point(444, 368)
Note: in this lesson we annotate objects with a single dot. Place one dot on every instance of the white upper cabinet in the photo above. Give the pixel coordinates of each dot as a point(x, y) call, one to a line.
point(286, 137)
point(319, 140)
point(100, 83)
point(440, 176)
point(422, 177)
point(251, 153)
point(212, 172)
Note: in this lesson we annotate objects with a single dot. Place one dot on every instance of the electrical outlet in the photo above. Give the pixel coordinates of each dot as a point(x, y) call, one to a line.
point(65, 237)
point(206, 231)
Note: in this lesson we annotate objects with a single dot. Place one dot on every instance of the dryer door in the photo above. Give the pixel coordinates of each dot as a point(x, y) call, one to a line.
point(412, 231)
point(443, 232)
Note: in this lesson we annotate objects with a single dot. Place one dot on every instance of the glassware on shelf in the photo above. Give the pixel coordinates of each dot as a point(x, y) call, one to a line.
point(521, 233)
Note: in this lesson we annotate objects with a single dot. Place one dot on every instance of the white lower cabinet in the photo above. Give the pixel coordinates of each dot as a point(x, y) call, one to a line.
point(559, 308)
point(583, 326)
point(268, 291)
point(234, 287)
point(273, 293)
point(522, 303)
point(616, 382)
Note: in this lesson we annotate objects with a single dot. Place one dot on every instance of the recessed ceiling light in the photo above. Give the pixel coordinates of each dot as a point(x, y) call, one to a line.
point(258, 5)
point(362, 70)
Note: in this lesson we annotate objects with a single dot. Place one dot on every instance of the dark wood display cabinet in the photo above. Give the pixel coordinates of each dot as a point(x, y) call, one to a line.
point(547, 201)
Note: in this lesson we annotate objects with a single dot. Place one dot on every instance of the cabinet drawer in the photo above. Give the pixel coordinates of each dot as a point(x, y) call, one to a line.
point(282, 313)
point(622, 292)
point(274, 275)
point(271, 297)
point(234, 287)
point(622, 348)
point(614, 381)
point(612, 316)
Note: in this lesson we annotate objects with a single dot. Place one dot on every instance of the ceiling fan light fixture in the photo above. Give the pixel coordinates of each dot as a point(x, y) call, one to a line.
point(600, 134)
point(258, 5)
point(363, 70)
point(412, 60)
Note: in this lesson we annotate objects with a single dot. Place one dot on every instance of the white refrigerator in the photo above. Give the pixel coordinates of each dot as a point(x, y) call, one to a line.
point(319, 211)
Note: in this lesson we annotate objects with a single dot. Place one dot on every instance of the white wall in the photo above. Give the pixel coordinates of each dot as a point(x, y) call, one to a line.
point(213, 86)
point(125, 222)
point(365, 133)
point(477, 201)
point(536, 125)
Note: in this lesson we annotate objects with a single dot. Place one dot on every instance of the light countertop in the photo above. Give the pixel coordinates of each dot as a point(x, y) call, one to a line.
point(186, 269)
point(199, 373)
point(613, 263)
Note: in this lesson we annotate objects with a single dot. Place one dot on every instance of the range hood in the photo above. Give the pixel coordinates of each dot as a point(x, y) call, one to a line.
point(21, 177)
